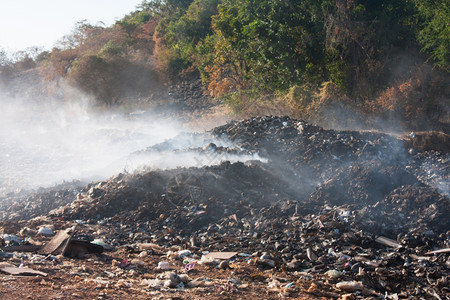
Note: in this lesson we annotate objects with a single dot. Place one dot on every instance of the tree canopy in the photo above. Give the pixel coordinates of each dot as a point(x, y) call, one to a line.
point(249, 49)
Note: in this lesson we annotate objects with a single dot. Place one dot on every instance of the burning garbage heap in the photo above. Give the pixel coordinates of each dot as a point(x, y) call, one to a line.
point(355, 214)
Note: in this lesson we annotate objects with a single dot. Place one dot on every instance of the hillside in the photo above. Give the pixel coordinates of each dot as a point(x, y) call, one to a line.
point(342, 64)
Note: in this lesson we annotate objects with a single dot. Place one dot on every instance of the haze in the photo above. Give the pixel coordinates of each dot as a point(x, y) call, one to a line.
point(42, 23)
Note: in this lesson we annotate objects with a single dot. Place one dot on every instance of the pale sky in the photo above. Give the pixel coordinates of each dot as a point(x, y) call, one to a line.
point(26, 23)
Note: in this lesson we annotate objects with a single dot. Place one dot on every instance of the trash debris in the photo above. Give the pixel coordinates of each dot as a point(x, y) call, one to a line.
point(311, 255)
point(163, 265)
point(10, 239)
point(387, 242)
point(336, 214)
point(208, 260)
point(290, 284)
point(183, 253)
point(5, 255)
point(63, 243)
point(149, 246)
point(189, 266)
point(46, 231)
point(350, 286)
point(333, 273)
point(220, 255)
point(101, 243)
point(223, 265)
point(21, 248)
point(24, 271)
point(446, 250)
point(57, 243)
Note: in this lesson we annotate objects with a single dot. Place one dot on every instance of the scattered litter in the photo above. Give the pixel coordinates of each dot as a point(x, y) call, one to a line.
point(290, 284)
point(312, 230)
point(208, 260)
point(189, 266)
point(223, 265)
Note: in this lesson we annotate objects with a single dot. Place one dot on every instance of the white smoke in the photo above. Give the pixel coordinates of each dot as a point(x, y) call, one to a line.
point(43, 143)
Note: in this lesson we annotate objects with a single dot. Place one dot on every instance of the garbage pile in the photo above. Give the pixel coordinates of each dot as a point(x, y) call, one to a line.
point(24, 205)
point(335, 214)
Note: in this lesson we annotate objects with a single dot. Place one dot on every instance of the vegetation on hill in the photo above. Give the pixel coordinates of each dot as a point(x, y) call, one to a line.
point(308, 58)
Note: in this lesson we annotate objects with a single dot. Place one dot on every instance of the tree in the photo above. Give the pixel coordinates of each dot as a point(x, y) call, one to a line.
point(361, 38)
point(5, 65)
point(97, 77)
point(80, 33)
point(265, 45)
point(180, 33)
point(4, 58)
point(434, 30)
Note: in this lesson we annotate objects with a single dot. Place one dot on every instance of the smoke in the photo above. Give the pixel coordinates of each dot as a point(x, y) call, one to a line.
point(43, 142)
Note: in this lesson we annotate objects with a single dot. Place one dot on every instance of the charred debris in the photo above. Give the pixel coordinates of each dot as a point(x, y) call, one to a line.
point(337, 213)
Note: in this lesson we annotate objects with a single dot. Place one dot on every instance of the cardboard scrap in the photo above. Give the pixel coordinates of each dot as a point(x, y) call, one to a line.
point(64, 243)
point(220, 255)
point(11, 270)
point(56, 244)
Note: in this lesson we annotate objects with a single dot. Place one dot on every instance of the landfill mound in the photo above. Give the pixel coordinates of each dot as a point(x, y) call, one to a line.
point(306, 165)
point(347, 212)
point(25, 205)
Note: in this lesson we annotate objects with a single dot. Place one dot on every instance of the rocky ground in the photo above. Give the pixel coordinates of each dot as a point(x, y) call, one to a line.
point(316, 214)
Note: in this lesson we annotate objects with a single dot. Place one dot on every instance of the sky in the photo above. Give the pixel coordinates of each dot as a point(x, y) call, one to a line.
point(27, 23)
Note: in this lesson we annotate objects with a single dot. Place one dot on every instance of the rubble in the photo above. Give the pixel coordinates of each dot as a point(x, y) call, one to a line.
point(334, 214)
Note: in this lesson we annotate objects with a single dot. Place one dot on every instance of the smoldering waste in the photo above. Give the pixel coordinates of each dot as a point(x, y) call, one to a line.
point(329, 214)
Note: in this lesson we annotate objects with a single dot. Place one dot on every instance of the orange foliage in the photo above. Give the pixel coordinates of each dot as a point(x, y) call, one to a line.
point(224, 72)
point(144, 41)
point(418, 97)
point(161, 53)
point(58, 63)
point(146, 30)
point(405, 99)
point(219, 83)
